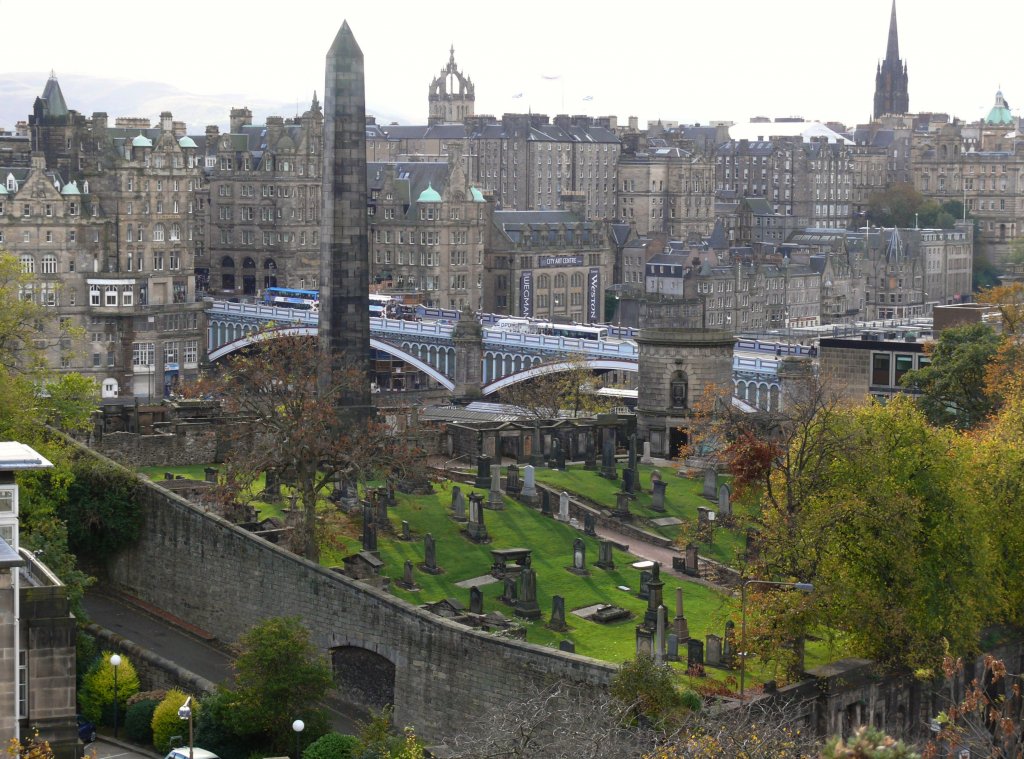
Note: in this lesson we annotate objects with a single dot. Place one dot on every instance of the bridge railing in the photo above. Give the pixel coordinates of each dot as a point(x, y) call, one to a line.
point(268, 313)
point(407, 327)
point(618, 349)
point(762, 365)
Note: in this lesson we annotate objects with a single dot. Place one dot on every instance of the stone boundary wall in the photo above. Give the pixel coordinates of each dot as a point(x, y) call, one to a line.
point(217, 576)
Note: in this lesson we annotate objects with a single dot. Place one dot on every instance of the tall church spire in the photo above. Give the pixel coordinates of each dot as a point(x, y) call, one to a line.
point(891, 95)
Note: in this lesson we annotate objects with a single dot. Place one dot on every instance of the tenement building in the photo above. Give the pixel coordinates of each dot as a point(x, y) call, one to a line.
point(107, 223)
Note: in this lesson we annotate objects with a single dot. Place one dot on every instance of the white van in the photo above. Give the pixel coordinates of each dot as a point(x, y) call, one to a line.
point(197, 753)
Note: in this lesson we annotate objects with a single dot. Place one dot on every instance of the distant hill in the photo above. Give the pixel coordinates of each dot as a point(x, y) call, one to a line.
point(118, 97)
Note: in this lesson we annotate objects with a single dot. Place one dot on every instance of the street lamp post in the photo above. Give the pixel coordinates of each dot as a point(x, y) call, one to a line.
point(185, 712)
point(298, 726)
point(115, 662)
point(806, 587)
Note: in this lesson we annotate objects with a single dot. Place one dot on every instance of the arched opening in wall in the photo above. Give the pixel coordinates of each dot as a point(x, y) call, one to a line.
point(676, 439)
point(363, 678)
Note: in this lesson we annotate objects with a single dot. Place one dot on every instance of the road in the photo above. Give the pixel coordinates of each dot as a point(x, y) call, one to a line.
point(188, 651)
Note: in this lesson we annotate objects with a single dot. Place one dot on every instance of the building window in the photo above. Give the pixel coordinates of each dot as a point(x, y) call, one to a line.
point(110, 298)
point(880, 369)
point(28, 265)
point(127, 295)
point(191, 351)
point(94, 295)
point(142, 354)
point(49, 264)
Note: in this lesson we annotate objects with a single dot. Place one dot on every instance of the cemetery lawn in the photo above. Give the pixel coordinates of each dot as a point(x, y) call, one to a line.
point(195, 472)
point(682, 497)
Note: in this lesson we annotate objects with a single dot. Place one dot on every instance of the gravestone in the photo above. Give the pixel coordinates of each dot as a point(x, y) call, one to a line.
point(458, 506)
point(406, 532)
point(545, 502)
point(692, 566)
point(694, 653)
point(628, 486)
point(408, 582)
point(590, 454)
point(557, 454)
point(621, 506)
point(608, 456)
point(655, 476)
point(672, 654)
point(646, 458)
point(476, 530)
point(495, 498)
point(389, 493)
point(605, 559)
point(710, 483)
point(381, 509)
point(729, 645)
point(579, 557)
point(271, 491)
point(429, 564)
point(563, 507)
point(632, 452)
point(655, 587)
point(659, 636)
point(658, 495)
point(476, 600)
point(512, 484)
point(567, 646)
point(483, 471)
point(511, 591)
point(369, 530)
point(529, 491)
point(210, 475)
point(557, 622)
point(526, 605)
point(724, 501)
point(645, 585)
point(679, 626)
point(456, 495)
point(590, 524)
point(702, 515)
point(713, 656)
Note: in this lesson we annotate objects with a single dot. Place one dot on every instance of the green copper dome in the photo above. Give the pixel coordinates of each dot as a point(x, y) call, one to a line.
point(478, 197)
point(429, 195)
point(142, 142)
point(71, 188)
point(1000, 113)
point(186, 142)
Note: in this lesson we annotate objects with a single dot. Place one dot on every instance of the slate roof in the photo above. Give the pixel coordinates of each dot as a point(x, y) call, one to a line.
point(54, 98)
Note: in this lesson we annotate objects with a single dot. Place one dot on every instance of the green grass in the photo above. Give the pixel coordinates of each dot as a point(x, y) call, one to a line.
point(682, 497)
point(195, 472)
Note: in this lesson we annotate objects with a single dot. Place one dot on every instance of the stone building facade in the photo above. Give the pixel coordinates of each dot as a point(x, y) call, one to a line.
point(428, 232)
point(547, 265)
point(452, 95)
point(668, 190)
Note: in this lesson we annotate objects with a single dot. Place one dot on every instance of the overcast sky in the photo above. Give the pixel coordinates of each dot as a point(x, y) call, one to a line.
point(683, 61)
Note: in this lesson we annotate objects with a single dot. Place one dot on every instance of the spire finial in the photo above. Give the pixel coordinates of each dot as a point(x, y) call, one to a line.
point(892, 50)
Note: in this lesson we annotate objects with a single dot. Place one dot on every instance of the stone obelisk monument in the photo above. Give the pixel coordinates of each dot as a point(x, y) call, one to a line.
point(344, 252)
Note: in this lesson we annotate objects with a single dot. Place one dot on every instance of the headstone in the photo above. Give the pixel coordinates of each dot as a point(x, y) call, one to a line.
point(589, 524)
point(476, 530)
point(381, 509)
point(556, 446)
point(558, 454)
point(210, 475)
point(713, 657)
point(526, 605)
point(529, 482)
point(369, 530)
point(672, 654)
point(628, 483)
point(645, 585)
point(456, 495)
point(483, 471)
point(658, 495)
point(579, 557)
point(476, 600)
point(389, 493)
point(557, 622)
point(655, 587)
point(710, 483)
point(605, 559)
point(692, 561)
point(679, 626)
point(495, 497)
point(724, 501)
point(429, 564)
point(729, 644)
point(608, 455)
point(567, 646)
point(694, 653)
point(545, 502)
point(511, 592)
point(622, 506)
point(512, 484)
point(563, 507)
point(271, 489)
point(458, 506)
point(702, 515)
point(655, 476)
point(168, 475)
point(407, 579)
point(495, 483)
point(659, 636)
point(632, 452)
point(590, 455)
point(646, 458)
point(406, 532)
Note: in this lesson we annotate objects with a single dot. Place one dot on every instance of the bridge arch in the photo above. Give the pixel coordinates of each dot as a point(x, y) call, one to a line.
point(364, 675)
point(252, 338)
point(539, 370)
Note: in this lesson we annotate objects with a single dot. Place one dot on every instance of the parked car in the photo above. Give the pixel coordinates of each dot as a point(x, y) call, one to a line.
point(86, 729)
point(197, 753)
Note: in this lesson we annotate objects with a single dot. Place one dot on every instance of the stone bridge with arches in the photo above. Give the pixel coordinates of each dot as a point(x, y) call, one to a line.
point(507, 357)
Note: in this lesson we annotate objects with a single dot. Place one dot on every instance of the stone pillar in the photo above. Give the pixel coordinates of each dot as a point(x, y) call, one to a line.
point(468, 336)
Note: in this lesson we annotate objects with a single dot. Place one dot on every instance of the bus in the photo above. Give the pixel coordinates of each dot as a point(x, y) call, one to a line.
point(382, 305)
point(289, 297)
point(581, 331)
point(512, 324)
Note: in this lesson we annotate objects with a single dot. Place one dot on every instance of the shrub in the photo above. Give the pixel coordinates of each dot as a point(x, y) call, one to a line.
point(102, 510)
point(97, 694)
point(214, 733)
point(138, 721)
point(166, 722)
point(332, 746)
